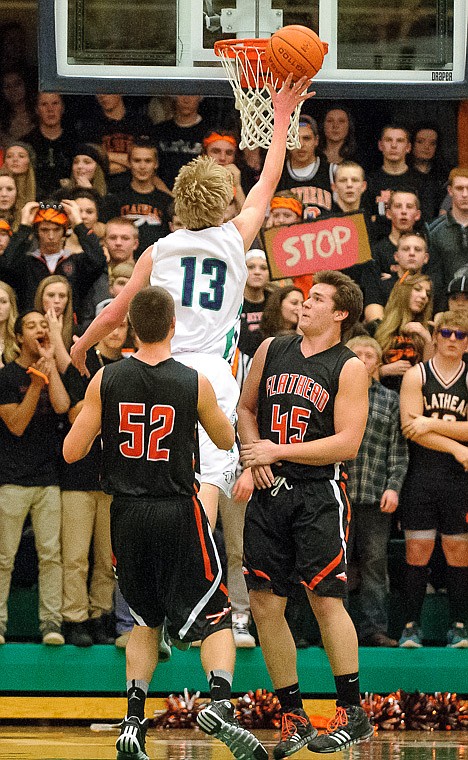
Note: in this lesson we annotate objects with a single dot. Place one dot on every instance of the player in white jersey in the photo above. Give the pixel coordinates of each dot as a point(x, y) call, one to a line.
point(203, 267)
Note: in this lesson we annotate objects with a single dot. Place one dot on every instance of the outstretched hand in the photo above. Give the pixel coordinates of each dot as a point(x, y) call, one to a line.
point(290, 94)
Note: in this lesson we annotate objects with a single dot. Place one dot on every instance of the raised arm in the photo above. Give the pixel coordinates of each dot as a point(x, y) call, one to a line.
point(212, 417)
point(14, 257)
point(113, 314)
point(18, 416)
point(92, 258)
point(252, 216)
point(58, 396)
point(87, 424)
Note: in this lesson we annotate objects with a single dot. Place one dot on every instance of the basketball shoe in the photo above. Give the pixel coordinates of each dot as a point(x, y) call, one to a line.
point(349, 726)
point(296, 732)
point(411, 637)
point(131, 743)
point(457, 636)
point(219, 719)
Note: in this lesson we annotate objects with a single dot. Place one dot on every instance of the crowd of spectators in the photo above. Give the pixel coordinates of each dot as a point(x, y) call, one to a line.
point(85, 188)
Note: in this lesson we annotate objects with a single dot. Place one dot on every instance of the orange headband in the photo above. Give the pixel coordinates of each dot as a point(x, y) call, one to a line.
point(215, 136)
point(51, 215)
point(292, 203)
point(5, 227)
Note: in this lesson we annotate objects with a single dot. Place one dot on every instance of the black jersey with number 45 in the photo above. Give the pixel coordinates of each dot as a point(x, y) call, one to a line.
point(296, 400)
point(149, 428)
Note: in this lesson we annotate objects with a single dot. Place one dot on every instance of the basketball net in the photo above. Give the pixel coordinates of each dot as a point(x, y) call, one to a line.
point(244, 64)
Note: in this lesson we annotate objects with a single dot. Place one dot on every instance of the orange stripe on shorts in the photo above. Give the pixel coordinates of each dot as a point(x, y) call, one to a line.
point(206, 560)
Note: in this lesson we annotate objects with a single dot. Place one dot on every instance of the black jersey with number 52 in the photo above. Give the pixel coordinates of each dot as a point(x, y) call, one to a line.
point(296, 400)
point(149, 428)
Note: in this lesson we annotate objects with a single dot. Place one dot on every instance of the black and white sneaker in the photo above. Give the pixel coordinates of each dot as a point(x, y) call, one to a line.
point(219, 719)
point(131, 743)
point(296, 732)
point(349, 726)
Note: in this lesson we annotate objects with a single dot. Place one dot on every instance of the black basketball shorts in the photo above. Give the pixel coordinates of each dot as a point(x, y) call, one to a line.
point(438, 503)
point(168, 565)
point(296, 532)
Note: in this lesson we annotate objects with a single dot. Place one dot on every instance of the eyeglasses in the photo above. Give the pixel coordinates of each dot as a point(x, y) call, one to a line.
point(53, 206)
point(446, 332)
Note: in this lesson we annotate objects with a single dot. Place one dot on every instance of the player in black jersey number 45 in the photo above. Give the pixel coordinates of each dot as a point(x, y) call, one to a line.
point(303, 412)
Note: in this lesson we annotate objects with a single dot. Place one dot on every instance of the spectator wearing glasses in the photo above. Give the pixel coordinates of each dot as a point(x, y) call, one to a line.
point(457, 293)
point(434, 402)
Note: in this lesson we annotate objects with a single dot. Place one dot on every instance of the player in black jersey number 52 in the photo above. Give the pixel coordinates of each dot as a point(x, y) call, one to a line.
point(147, 409)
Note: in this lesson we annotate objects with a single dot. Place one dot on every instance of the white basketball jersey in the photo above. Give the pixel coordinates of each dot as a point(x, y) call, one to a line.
point(205, 272)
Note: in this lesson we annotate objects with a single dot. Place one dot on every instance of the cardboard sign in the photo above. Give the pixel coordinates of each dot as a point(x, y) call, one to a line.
point(336, 242)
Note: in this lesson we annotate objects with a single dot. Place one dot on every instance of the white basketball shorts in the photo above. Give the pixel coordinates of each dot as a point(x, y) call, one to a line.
point(217, 467)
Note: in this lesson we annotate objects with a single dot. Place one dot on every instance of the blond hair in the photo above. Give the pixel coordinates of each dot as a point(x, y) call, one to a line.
point(13, 216)
point(25, 183)
point(10, 348)
point(398, 313)
point(67, 329)
point(366, 342)
point(98, 182)
point(124, 269)
point(202, 192)
point(451, 319)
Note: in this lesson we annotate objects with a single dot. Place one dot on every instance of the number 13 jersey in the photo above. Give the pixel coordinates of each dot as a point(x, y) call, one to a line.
point(205, 272)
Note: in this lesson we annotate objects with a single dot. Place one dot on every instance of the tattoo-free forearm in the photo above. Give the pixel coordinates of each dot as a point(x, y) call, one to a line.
point(58, 395)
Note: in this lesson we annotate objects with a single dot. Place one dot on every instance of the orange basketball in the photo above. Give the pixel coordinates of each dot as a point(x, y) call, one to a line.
point(295, 49)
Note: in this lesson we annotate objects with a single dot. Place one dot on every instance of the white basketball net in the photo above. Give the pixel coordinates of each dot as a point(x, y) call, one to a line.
point(254, 102)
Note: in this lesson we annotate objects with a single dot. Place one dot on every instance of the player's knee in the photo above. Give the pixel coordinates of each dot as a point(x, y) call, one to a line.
point(324, 606)
point(265, 606)
point(455, 549)
point(419, 552)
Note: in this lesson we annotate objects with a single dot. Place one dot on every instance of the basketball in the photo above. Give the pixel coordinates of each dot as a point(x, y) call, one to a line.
point(295, 49)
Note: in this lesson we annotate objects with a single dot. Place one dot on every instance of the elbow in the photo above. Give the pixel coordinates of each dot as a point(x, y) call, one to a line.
point(17, 430)
point(227, 442)
point(352, 451)
point(351, 455)
point(227, 439)
point(62, 408)
point(70, 453)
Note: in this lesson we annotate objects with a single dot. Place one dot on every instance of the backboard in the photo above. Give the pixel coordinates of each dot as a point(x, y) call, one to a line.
point(415, 48)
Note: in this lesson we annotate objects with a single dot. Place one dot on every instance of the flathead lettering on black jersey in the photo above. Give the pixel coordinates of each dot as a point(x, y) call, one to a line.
point(446, 400)
point(296, 400)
